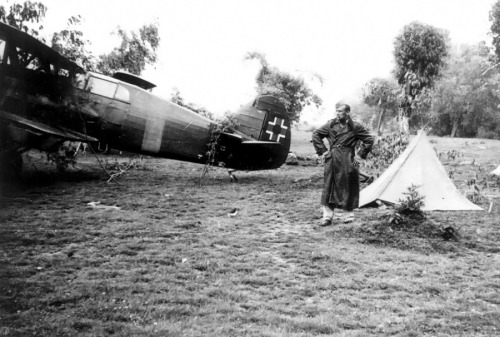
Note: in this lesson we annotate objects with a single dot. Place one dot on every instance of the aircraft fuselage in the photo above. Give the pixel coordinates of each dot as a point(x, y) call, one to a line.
point(133, 119)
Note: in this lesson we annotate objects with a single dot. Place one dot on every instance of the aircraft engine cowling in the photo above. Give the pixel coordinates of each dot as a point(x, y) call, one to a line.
point(265, 133)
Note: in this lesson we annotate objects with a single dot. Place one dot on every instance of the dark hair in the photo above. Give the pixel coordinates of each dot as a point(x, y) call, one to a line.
point(346, 107)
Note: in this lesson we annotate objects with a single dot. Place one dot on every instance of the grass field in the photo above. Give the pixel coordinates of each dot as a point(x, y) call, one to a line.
point(174, 261)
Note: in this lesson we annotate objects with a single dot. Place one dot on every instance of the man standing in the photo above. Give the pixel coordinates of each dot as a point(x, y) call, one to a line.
point(341, 179)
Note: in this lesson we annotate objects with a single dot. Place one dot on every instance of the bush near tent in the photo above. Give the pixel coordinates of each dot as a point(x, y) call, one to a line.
point(385, 150)
point(407, 226)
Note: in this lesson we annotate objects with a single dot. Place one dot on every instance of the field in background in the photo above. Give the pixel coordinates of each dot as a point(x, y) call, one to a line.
point(176, 260)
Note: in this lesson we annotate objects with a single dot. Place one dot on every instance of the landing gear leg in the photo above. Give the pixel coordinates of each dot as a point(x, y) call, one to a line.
point(232, 177)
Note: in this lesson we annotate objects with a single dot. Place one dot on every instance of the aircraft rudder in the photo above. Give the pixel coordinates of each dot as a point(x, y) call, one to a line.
point(265, 120)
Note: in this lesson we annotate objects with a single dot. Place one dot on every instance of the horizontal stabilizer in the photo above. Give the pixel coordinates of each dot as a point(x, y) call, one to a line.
point(262, 143)
point(262, 155)
point(250, 155)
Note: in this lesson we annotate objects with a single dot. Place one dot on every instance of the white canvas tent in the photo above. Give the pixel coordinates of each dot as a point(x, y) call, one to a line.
point(420, 166)
point(496, 171)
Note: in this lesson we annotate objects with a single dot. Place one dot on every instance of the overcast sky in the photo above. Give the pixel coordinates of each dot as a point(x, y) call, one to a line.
point(203, 42)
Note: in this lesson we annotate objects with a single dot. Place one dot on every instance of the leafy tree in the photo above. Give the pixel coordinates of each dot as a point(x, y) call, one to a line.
point(135, 51)
point(363, 113)
point(381, 93)
point(21, 15)
point(176, 98)
point(419, 51)
point(70, 43)
point(465, 100)
point(495, 28)
point(292, 91)
point(179, 100)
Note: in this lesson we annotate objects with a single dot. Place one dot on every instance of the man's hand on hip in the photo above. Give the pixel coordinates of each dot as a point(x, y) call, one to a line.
point(321, 158)
point(357, 160)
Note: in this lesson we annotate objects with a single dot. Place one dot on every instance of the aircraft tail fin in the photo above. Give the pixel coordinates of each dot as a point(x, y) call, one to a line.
point(265, 119)
point(266, 136)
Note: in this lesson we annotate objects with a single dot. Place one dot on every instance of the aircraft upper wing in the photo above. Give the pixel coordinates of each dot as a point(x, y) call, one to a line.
point(42, 128)
point(30, 44)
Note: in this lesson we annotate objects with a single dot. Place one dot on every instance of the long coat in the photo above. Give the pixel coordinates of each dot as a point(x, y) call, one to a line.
point(341, 178)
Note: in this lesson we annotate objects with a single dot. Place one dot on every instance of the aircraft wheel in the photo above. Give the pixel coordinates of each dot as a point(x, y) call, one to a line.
point(100, 147)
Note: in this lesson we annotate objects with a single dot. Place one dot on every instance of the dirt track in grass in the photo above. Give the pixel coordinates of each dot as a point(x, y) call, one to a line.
point(174, 261)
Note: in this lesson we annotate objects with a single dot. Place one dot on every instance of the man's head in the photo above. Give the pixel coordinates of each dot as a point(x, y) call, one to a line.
point(343, 111)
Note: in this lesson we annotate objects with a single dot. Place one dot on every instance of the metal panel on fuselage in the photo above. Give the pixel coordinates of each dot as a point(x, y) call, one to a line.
point(250, 121)
point(101, 91)
point(167, 129)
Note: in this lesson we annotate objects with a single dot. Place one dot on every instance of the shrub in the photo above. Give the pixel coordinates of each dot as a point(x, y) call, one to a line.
point(412, 204)
point(63, 157)
point(385, 150)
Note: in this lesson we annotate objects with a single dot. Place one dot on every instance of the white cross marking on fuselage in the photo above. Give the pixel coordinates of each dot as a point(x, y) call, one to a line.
point(282, 127)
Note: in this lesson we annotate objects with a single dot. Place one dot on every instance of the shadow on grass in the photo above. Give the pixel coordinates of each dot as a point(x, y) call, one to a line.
point(12, 188)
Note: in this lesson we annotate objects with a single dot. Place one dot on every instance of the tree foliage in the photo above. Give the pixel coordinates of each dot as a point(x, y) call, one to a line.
point(179, 100)
point(411, 205)
point(292, 91)
point(71, 43)
point(420, 52)
point(68, 42)
point(364, 114)
point(135, 51)
point(466, 98)
point(382, 94)
point(385, 151)
point(495, 28)
point(23, 16)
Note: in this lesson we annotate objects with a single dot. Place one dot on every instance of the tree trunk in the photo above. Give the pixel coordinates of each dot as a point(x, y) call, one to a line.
point(454, 129)
point(403, 122)
point(379, 123)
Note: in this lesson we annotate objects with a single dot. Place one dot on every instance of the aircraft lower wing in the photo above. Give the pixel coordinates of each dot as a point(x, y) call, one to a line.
point(35, 134)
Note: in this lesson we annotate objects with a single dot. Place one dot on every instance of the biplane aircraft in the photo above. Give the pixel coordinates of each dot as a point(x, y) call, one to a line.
point(46, 99)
